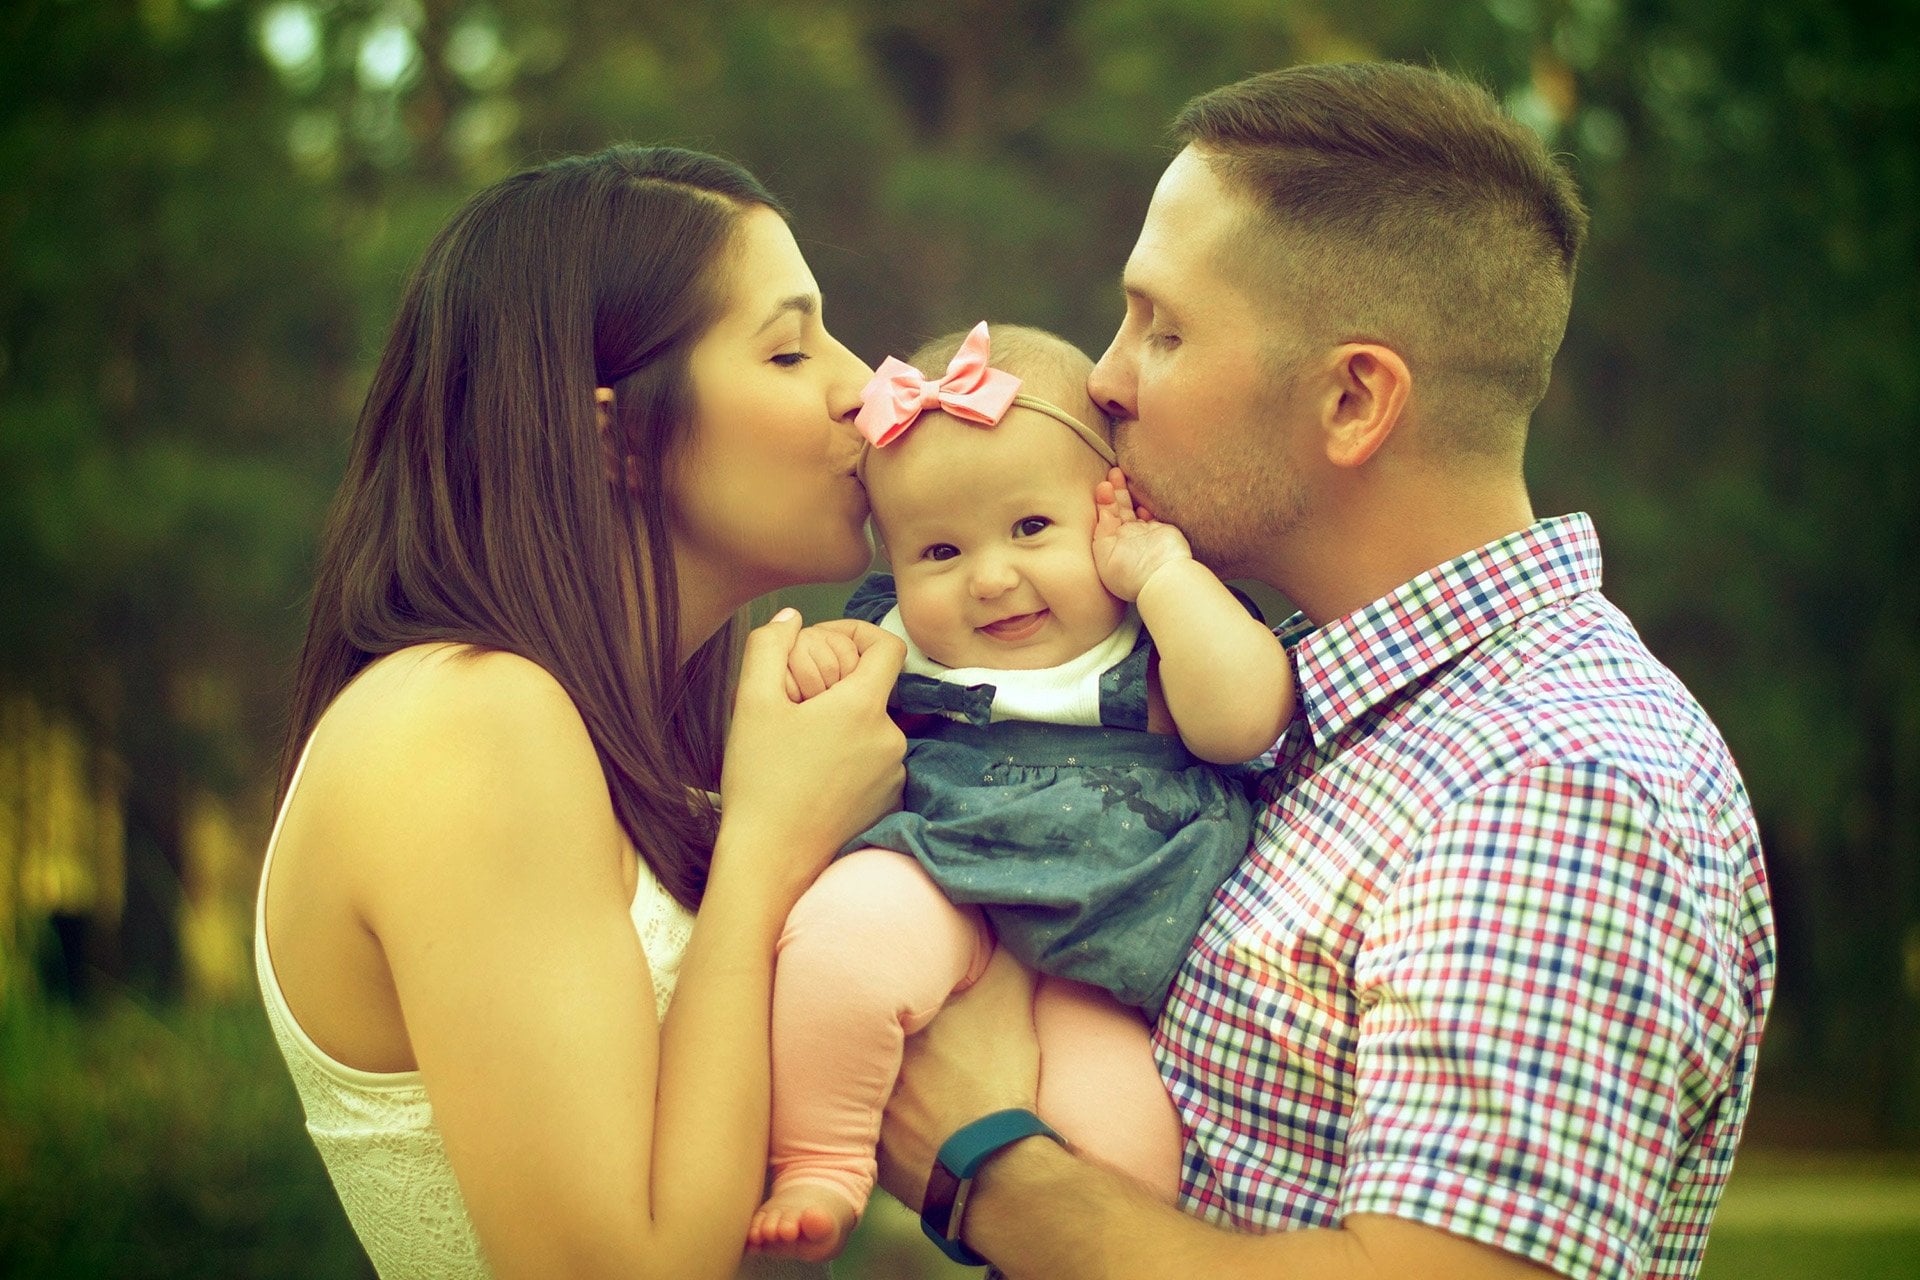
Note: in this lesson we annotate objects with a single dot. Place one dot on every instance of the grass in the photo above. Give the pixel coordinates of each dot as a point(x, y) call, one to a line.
point(1812, 1215)
point(134, 1145)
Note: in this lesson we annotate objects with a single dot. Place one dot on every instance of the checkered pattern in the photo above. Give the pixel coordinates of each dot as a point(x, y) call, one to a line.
point(1500, 955)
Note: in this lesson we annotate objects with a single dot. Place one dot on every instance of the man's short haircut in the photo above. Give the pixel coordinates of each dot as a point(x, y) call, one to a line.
point(1402, 205)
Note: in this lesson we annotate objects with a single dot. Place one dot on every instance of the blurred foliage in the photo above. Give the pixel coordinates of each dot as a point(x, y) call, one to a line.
point(1737, 403)
point(207, 208)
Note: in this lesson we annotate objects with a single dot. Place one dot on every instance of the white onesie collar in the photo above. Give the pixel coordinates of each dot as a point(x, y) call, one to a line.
point(1066, 694)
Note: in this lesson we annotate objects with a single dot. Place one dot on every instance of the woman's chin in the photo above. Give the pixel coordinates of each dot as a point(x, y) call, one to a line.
point(850, 563)
point(822, 571)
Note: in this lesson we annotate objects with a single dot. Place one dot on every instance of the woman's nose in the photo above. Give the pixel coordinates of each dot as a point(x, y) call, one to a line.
point(852, 375)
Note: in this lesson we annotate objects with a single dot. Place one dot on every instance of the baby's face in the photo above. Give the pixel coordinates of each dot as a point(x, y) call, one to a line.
point(990, 531)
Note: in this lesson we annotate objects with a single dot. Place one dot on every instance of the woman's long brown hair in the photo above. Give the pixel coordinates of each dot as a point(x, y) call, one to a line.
point(479, 505)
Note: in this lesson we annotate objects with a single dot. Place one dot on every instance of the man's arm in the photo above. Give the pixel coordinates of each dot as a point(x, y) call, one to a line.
point(1041, 1213)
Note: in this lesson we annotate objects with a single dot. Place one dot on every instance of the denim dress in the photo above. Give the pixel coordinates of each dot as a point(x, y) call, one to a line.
point(1093, 850)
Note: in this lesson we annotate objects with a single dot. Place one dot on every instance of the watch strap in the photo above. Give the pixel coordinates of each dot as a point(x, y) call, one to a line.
point(950, 1181)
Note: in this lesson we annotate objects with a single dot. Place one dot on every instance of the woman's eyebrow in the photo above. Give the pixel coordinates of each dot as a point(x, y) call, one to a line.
point(805, 303)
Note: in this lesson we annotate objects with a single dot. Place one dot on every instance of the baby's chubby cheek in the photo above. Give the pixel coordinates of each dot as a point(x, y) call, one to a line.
point(936, 630)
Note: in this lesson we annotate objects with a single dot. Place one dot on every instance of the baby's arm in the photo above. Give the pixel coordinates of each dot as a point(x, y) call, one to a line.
point(1226, 678)
point(826, 653)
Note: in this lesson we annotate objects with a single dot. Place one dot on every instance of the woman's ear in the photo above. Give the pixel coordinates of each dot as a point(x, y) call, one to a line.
point(620, 470)
point(603, 411)
point(1371, 384)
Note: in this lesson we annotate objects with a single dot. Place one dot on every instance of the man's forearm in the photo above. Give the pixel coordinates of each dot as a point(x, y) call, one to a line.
point(1041, 1213)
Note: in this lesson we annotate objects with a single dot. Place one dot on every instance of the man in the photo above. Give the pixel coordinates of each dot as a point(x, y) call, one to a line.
point(1485, 997)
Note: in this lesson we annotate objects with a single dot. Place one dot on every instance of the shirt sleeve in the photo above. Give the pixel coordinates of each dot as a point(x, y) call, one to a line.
point(1546, 1021)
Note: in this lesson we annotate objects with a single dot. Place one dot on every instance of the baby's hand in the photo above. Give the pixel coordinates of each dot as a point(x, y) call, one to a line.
point(824, 654)
point(1129, 544)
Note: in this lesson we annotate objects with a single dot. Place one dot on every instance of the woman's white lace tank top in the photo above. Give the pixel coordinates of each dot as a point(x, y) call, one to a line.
point(375, 1130)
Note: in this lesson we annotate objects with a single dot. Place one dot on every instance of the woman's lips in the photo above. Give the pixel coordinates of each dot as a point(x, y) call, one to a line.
point(1021, 626)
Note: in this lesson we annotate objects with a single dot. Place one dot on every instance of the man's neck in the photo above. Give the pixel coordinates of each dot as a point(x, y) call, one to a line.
point(1361, 546)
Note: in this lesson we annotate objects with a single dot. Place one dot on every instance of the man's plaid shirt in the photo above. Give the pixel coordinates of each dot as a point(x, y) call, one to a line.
point(1499, 957)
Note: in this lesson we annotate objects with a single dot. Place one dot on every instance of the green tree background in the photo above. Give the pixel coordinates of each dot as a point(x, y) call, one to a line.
point(207, 208)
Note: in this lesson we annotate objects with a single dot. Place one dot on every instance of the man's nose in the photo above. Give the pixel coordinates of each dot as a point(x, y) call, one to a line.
point(1110, 385)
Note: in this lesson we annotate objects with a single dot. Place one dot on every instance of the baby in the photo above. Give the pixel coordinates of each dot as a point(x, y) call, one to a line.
point(1071, 671)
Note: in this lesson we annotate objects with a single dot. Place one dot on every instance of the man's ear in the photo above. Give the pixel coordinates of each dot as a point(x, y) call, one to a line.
point(1364, 402)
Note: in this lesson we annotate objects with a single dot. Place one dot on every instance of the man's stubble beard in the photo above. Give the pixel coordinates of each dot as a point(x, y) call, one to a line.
point(1234, 516)
point(1251, 527)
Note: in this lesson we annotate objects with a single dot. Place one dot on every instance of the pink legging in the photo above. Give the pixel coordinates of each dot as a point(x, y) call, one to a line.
point(869, 955)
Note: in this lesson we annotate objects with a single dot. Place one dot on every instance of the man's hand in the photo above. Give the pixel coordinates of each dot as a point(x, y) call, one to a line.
point(1128, 543)
point(978, 1056)
point(826, 653)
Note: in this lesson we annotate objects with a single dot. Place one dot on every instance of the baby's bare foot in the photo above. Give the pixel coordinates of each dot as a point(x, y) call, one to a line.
point(805, 1221)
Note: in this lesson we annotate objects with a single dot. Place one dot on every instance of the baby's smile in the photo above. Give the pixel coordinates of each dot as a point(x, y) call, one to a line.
point(1021, 626)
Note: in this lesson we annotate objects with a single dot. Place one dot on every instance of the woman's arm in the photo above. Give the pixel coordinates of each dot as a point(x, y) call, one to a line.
point(799, 780)
point(1226, 678)
point(492, 871)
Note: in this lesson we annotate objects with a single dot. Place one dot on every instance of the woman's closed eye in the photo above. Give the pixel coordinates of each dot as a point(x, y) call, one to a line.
point(1028, 526)
point(790, 359)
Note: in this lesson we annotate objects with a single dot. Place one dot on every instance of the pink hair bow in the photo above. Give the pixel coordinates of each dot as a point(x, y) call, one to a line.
point(898, 393)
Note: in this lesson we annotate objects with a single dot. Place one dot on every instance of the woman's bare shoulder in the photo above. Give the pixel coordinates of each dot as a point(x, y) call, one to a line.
point(452, 697)
point(455, 737)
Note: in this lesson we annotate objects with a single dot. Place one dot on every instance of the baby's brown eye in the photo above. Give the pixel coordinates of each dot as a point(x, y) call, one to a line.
point(940, 551)
point(1030, 526)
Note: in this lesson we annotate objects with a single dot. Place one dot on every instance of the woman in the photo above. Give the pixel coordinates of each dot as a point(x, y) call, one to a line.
point(607, 417)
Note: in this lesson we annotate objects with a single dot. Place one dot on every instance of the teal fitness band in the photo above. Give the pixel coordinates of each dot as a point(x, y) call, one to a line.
point(950, 1181)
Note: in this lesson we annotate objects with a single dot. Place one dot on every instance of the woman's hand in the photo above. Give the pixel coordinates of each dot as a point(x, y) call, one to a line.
point(802, 778)
point(1128, 543)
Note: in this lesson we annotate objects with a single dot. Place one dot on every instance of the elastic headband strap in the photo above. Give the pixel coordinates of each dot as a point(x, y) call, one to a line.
point(1094, 440)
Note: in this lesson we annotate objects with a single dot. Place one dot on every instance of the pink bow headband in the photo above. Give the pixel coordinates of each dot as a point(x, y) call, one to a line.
point(971, 390)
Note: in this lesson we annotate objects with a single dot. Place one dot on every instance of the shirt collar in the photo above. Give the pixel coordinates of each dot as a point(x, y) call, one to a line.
point(1356, 662)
